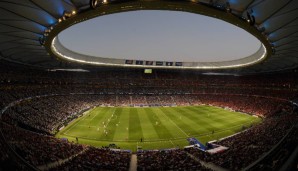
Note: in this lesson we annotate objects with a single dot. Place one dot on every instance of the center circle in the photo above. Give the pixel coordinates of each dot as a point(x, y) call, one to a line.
point(160, 36)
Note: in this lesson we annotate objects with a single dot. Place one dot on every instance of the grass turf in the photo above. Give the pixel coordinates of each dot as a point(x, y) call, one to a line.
point(159, 127)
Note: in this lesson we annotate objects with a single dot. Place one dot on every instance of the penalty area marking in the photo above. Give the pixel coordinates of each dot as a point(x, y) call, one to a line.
point(172, 143)
point(72, 126)
point(83, 118)
point(95, 114)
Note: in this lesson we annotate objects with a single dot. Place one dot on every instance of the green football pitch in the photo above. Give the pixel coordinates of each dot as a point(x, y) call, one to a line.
point(154, 127)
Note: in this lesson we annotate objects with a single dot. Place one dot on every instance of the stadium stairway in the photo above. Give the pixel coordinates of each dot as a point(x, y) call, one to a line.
point(208, 165)
point(133, 163)
point(48, 166)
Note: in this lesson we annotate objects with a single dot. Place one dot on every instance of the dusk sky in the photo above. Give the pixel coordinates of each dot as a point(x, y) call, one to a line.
point(160, 35)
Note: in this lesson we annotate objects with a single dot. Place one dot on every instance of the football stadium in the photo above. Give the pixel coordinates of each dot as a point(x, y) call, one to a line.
point(149, 85)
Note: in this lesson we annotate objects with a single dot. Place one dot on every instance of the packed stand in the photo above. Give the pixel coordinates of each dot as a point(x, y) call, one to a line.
point(47, 113)
point(248, 146)
point(117, 87)
point(38, 149)
point(279, 156)
point(98, 159)
point(172, 159)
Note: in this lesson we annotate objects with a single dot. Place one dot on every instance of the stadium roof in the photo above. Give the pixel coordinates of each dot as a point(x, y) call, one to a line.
point(24, 24)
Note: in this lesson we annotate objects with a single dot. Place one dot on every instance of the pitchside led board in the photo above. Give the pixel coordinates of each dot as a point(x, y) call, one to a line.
point(157, 63)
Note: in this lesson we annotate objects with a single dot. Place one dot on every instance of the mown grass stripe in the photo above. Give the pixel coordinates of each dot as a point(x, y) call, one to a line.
point(221, 114)
point(96, 122)
point(174, 129)
point(99, 115)
point(88, 128)
point(121, 132)
point(75, 129)
point(110, 126)
point(160, 129)
point(135, 130)
point(216, 119)
point(196, 121)
point(156, 125)
point(174, 115)
point(149, 132)
point(205, 125)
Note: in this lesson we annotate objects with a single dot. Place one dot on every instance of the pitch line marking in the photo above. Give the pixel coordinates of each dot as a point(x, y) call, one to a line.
point(172, 143)
point(202, 135)
point(96, 114)
point(85, 114)
point(72, 127)
point(156, 140)
point(175, 124)
point(87, 126)
point(109, 120)
point(84, 117)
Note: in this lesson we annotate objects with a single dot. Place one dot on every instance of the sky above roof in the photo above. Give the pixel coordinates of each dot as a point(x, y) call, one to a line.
point(160, 36)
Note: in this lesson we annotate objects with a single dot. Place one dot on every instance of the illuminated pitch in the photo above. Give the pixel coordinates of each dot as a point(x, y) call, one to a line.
point(155, 127)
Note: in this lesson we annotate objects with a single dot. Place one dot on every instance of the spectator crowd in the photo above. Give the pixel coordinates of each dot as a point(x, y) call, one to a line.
point(36, 103)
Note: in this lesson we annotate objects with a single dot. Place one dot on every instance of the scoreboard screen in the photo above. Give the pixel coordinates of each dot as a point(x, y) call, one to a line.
point(148, 71)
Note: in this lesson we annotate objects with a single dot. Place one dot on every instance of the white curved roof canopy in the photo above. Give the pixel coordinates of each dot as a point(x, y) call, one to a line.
point(62, 52)
point(23, 23)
